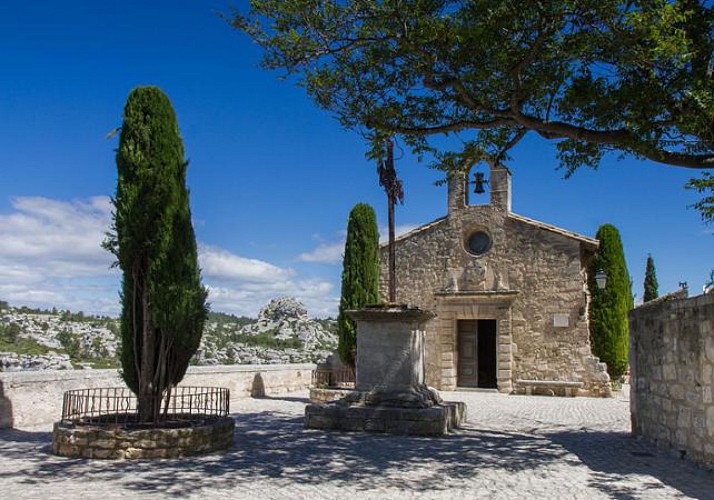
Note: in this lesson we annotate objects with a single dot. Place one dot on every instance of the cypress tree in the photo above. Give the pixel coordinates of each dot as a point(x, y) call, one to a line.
point(163, 302)
point(360, 275)
point(609, 329)
point(651, 286)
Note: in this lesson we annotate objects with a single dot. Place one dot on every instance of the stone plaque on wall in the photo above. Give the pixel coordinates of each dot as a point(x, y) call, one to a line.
point(561, 321)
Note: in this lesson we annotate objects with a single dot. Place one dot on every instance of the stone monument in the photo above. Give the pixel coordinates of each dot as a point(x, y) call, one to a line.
point(390, 394)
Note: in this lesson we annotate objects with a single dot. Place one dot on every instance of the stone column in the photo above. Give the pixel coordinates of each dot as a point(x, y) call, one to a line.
point(500, 187)
point(458, 191)
point(390, 356)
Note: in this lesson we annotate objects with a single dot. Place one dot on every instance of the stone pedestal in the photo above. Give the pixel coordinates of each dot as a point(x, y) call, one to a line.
point(390, 348)
point(390, 394)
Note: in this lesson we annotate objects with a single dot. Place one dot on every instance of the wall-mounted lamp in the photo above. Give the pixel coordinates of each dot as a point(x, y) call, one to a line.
point(601, 279)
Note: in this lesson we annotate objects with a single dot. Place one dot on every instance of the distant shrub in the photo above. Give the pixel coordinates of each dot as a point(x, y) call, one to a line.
point(267, 339)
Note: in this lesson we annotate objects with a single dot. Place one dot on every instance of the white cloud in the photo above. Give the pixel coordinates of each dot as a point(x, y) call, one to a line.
point(51, 256)
point(333, 252)
point(50, 251)
point(325, 253)
point(222, 265)
point(61, 237)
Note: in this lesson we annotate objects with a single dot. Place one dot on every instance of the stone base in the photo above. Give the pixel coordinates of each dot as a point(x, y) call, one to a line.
point(319, 395)
point(435, 421)
point(105, 442)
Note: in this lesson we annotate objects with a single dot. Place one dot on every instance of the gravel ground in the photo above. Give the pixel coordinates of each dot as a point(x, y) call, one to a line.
point(512, 447)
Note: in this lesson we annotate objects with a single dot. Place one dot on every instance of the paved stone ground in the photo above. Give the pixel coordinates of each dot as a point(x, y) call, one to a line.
point(513, 447)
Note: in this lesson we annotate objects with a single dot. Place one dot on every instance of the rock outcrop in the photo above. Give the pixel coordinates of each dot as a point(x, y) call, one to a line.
point(288, 319)
point(297, 338)
point(11, 362)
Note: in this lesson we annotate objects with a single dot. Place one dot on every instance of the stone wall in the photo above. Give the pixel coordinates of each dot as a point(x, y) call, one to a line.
point(29, 399)
point(672, 381)
point(115, 442)
point(531, 281)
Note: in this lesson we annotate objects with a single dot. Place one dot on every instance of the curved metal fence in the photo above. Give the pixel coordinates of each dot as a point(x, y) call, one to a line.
point(118, 405)
point(340, 378)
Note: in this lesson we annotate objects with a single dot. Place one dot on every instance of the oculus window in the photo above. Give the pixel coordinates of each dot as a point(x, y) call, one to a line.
point(478, 243)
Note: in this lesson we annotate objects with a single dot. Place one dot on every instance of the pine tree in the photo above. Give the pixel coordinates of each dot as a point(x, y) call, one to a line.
point(609, 329)
point(651, 291)
point(360, 275)
point(163, 302)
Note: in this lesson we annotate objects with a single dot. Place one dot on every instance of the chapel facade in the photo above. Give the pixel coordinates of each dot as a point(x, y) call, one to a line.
point(510, 295)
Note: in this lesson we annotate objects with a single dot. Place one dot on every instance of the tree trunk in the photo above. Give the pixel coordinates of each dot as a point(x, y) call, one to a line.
point(148, 403)
point(392, 255)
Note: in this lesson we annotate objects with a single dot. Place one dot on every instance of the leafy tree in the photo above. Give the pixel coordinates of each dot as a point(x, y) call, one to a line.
point(704, 185)
point(593, 75)
point(651, 291)
point(360, 275)
point(163, 302)
point(609, 329)
point(12, 332)
point(70, 343)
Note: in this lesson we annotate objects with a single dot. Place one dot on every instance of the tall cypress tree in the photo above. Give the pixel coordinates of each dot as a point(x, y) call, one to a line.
point(360, 275)
point(651, 286)
point(163, 302)
point(609, 329)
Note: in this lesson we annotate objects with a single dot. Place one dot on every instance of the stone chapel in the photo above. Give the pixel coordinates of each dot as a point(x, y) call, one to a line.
point(509, 293)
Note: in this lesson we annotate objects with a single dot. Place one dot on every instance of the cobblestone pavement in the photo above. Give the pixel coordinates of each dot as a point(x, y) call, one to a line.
point(516, 447)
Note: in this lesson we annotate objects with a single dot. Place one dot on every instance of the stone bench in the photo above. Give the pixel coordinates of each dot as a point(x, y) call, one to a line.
point(566, 385)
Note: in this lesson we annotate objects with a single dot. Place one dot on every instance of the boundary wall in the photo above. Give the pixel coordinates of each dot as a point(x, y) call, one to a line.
point(672, 385)
point(34, 398)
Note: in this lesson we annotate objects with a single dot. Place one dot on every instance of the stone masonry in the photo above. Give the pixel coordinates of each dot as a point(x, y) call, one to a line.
point(672, 362)
point(531, 281)
point(116, 442)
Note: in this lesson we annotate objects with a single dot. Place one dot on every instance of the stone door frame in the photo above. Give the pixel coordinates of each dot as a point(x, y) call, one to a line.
point(454, 306)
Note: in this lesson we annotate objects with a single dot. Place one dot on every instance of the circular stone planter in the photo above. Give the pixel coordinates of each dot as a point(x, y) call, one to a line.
point(120, 442)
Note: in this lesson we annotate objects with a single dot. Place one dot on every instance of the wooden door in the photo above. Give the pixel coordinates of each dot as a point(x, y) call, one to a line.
point(477, 350)
point(467, 364)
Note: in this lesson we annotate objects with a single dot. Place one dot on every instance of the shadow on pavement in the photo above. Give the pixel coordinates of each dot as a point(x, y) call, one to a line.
point(613, 456)
point(276, 446)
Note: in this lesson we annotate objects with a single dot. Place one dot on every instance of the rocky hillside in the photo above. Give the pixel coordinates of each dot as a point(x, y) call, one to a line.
point(283, 333)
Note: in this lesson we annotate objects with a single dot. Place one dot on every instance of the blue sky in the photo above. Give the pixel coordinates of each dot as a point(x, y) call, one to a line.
point(272, 178)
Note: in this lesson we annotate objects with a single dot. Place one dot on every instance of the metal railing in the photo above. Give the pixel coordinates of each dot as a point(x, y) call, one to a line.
point(341, 378)
point(118, 405)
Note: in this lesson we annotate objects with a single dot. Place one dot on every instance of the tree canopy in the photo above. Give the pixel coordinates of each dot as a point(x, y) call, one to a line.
point(360, 275)
point(609, 328)
point(595, 75)
point(163, 301)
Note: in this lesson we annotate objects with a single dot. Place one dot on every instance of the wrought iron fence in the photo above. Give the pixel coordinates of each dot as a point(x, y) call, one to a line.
point(340, 378)
point(118, 405)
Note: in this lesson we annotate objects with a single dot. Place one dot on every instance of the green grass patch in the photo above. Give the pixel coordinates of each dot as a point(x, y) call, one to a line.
point(24, 346)
point(267, 339)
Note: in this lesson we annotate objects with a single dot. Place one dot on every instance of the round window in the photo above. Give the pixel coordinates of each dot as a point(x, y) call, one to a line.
point(479, 243)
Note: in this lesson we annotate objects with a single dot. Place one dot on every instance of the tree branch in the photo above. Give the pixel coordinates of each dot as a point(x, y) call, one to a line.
point(450, 127)
point(621, 138)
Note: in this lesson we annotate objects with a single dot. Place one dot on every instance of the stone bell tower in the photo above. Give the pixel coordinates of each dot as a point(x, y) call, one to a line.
point(499, 188)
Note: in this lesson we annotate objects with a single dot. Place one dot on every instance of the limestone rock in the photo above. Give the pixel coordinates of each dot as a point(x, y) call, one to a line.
point(283, 308)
